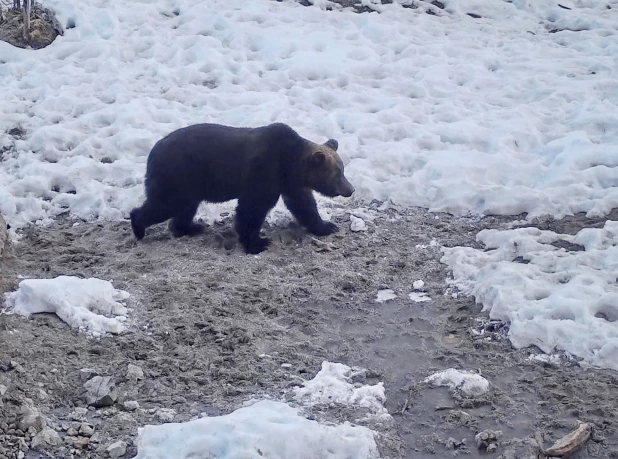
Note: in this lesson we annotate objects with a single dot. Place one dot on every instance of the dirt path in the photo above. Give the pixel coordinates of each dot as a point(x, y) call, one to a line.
point(211, 328)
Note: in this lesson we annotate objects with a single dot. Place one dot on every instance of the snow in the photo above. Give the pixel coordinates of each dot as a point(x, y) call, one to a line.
point(457, 380)
point(385, 295)
point(357, 224)
point(419, 297)
point(334, 384)
point(552, 298)
point(273, 429)
point(90, 305)
point(491, 115)
point(265, 429)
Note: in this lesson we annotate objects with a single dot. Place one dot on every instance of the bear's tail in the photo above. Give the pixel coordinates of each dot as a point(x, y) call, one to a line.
point(136, 223)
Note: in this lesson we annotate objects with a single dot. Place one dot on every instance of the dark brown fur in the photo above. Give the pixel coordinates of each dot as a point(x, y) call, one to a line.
point(215, 163)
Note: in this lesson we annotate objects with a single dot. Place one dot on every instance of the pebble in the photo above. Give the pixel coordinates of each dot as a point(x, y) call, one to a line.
point(357, 224)
point(86, 430)
point(78, 414)
point(165, 414)
point(130, 405)
point(46, 438)
point(81, 442)
point(31, 417)
point(101, 391)
point(134, 373)
point(88, 373)
point(117, 449)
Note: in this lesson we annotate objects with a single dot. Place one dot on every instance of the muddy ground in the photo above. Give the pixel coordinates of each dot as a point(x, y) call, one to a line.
point(203, 314)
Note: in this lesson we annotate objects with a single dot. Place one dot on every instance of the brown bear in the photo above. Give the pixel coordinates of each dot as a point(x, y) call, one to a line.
point(215, 163)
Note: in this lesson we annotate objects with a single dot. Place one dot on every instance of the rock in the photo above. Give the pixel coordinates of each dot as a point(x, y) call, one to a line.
point(78, 414)
point(3, 236)
point(81, 442)
point(130, 405)
point(76, 425)
point(417, 285)
point(357, 224)
point(86, 430)
point(72, 432)
point(572, 441)
point(3, 389)
point(88, 373)
point(31, 417)
point(134, 373)
point(101, 391)
point(165, 414)
point(487, 439)
point(116, 450)
point(46, 438)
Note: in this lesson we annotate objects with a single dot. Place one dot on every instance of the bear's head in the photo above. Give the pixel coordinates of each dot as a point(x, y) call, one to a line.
point(324, 170)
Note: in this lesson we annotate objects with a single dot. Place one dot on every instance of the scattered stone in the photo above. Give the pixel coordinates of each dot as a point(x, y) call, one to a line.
point(571, 442)
point(78, 414)
point(134, 373)
point(88, 373)
point(43, 395)
point(165, 414)
point(31, 417)
point(46, 438)
point(358, 224)
point(130, 405)
point(86, 430)
point(101, 391)
point(323, 246)
point(76, 425)
point(81, 442)
point(116, 450)
point(488, 439)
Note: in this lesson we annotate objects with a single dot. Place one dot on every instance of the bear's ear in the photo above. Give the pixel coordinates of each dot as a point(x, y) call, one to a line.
point(332, 143)
point(317, 159)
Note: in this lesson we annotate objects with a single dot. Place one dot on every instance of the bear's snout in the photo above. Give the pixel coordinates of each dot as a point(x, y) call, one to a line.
point(346, 189)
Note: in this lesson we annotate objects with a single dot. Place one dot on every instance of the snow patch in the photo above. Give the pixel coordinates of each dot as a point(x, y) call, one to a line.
point(553, 298)
point(419, 297)
point(265, 429)
point(334, 384)
point(385, 295)
point(456, 380)
point(90, 305)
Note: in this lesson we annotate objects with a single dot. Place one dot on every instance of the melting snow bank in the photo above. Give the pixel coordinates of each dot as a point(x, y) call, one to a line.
point(334, 383)
point(91, 305)
point(274, 429)
point(463, 381)
point(265, 429)
point(447, 112)
point(553, 298)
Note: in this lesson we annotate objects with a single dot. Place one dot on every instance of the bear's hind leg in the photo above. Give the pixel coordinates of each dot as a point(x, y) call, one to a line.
point(147, 215)
point(183, 225)
point(302, 205)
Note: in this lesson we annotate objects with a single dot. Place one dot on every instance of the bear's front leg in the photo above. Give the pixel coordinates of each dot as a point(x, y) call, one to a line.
point(250, 216)
point(304, 208)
